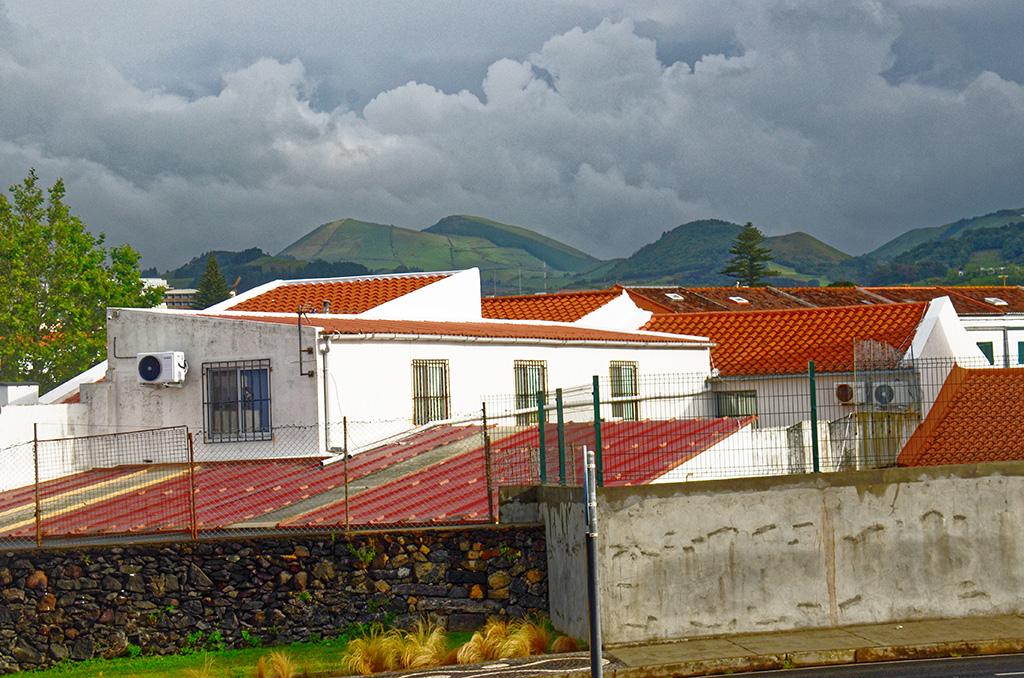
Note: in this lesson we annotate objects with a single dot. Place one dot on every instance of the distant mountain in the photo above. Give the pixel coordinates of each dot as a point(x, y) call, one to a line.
point(558, 256)
point(690, 254)
point(253, 267)
point(907, 241)
point(510, 259)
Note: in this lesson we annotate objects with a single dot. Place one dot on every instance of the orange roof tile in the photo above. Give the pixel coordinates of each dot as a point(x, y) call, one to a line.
point(482, 329)
point(977, 417)
point(559, 307)
point(345, 296)
point(782, 342)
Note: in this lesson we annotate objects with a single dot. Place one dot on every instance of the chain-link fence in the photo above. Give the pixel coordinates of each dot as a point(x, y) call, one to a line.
point(165, 483)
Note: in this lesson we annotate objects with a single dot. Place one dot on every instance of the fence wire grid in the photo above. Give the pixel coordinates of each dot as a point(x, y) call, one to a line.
point(165, 484)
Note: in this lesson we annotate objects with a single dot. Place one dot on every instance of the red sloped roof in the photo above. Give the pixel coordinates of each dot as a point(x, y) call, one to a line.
point(559, 307)
point(992, 296)
point(345, 296)
point(962, 304)
point(481, 329)
point(977, 417)
point(782, 342)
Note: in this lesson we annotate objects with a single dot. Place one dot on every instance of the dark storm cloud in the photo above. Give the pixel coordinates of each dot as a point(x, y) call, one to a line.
point(182, 127)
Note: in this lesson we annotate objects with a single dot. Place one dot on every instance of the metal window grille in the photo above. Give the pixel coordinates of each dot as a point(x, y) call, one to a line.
point(736, 403)
point(623, 385)
point(530, 376)
point(236, 401)
point(430, 395)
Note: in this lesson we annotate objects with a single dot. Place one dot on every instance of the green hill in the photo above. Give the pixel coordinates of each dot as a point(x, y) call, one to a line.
point(911, 239)
point(253, 267)
point(510, 259)
point(558, 256)
point(690, 254)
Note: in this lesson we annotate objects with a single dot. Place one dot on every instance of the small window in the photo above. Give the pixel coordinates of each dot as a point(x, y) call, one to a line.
point(996, 301)
point(736, 403)
point(1020, 352)
point(531, 376)
point(739, 300)
point(623, 383)
point(674, 296)
point(986, 348)
point(429, 391)
point(236, 401)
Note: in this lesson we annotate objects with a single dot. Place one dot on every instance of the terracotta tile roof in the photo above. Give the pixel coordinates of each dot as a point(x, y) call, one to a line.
point(345, 296)
point(559, 307)
point(782, 342)
point(963, 305)
point(494, 329)
point(716, 299)
point(977, 417)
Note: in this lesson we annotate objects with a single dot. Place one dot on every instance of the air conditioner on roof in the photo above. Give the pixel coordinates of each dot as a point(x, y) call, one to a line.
point(161, 367)
point(852, 394)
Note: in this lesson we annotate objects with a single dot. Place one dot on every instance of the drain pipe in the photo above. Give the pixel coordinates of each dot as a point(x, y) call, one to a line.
point(324, 350)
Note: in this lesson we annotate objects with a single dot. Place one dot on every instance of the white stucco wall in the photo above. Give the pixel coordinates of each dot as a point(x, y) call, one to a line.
point(1006, 334)
point(17, 431)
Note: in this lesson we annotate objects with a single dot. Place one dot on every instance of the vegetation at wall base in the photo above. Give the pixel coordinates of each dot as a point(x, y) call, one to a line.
point(358, 649)
point(56, 282)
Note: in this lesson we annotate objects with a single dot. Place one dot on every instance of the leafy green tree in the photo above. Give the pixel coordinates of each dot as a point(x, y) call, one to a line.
point(749, 262)
point(56, 282)
point(211, 288)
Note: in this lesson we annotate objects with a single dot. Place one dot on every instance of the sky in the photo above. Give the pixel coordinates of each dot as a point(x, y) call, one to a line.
point(181, 126)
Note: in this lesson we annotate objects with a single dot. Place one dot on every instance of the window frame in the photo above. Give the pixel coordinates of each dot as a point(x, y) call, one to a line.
point(245, 416)
point(741, 396)
point(428, 406)
point(627, 410)
point(526, 399)
point(990, 354)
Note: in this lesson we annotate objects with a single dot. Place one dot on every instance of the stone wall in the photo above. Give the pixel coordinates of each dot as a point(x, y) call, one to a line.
point(159, 599)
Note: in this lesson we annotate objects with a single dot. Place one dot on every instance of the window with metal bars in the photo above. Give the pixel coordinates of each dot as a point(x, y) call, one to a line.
point(623, 383)
point(530, 376)
point(736, 403)
point(429, 391)
point(236, 401)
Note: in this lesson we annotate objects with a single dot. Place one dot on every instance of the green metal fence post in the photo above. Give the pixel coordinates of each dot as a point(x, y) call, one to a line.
point(540, 431)
point(814, 419)
point(598, 452)
point(561, 438)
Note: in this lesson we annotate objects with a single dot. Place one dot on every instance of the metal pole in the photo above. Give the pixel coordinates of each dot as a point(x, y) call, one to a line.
point(540, 431)
point(597, 433)
point(487, 464)
point(35, 460)
point(344, 433)
point(593, 578)
point(192, 486)
point(814, 419)
point(561, 438)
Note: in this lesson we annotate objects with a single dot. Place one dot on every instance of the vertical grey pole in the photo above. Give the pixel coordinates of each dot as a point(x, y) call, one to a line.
point(593, 579)
point(814, 419)
point(561, 438)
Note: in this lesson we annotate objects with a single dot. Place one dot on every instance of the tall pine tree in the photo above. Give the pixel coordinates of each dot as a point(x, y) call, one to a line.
point(749, 262)
point(211, 288)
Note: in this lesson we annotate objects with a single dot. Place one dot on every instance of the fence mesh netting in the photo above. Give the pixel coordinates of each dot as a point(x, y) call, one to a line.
point(169, 483)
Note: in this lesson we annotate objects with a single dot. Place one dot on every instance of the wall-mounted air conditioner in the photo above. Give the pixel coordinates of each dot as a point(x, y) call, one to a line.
point(852, 393)
point(891, 394)
point(161, 367)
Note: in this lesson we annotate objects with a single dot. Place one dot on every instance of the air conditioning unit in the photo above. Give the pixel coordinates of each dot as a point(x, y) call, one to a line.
point(852, 394)
point(891, 393)
point(161, 367)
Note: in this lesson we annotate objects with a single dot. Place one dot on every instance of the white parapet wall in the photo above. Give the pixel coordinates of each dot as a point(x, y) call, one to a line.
point(812, 551)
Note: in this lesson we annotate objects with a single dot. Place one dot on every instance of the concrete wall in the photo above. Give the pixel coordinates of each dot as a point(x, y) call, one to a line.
point(733, 556)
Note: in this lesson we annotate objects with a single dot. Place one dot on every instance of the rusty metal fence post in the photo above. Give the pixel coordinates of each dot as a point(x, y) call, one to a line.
point(35, 458)
point(194, 526)
point(487, 467)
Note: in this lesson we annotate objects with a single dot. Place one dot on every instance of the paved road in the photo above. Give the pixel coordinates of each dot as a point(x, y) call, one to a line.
point(1001, 666)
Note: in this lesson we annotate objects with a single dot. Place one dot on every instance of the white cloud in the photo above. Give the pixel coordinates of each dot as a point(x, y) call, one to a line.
point(589, 137)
